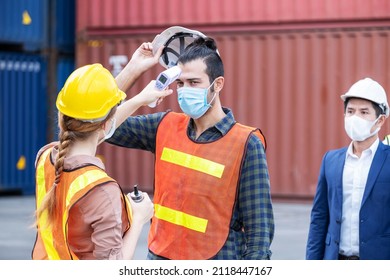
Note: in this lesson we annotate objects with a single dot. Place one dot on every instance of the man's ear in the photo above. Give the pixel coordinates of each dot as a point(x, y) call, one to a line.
point(382, 120)
point(218, 84)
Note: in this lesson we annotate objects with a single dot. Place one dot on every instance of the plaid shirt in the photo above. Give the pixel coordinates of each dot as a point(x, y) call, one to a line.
point(253, 211)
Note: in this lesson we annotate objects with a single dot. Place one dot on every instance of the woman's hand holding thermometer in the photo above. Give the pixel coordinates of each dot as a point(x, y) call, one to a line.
point(164, 79)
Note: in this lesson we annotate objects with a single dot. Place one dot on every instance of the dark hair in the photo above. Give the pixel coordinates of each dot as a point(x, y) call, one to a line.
point(205, 49)
point(377, 108)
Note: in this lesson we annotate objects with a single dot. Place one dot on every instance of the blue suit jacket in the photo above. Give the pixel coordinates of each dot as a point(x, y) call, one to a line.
point(374, 229)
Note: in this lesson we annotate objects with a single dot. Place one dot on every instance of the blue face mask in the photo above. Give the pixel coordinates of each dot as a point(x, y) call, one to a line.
point(193, 101)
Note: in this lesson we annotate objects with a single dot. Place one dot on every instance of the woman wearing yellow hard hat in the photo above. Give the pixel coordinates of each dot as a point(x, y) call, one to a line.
point(82, 213)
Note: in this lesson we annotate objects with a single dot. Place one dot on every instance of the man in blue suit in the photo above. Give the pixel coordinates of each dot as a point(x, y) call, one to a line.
point(350, 218)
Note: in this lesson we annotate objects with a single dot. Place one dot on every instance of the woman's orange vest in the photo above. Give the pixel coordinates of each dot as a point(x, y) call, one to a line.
point(195, 189)
point(52, 240)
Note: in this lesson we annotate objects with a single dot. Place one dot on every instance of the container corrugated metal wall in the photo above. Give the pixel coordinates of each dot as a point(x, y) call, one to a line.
point(65, 25)
point(286, 83)
point(30, 23)
point(117, 14)
point(23, 22)
point(286, 64)
point(65, 67)
point(290, 84)
point(23, 119)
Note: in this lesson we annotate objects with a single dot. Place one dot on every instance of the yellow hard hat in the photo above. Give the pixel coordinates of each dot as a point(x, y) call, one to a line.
point(89, 94)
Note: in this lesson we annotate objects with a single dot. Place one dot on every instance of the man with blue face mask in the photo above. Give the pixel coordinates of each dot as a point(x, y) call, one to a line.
point(212, 189)
point(350, 218)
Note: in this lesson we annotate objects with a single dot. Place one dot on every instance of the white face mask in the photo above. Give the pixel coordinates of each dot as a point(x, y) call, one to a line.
point(359, 129)
point(110, 132)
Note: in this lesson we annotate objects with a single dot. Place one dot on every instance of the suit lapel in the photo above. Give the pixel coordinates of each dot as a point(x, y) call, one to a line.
point(376, 166)
point(339, 168)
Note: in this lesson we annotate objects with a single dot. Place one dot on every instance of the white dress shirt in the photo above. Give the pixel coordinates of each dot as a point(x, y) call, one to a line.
point(354, 183)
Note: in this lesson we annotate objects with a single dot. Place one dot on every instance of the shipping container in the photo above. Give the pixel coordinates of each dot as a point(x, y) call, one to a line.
point(26, 114)
point(129, 16)
point(286, 64)
point(64, 67)
point(287, 82)
point(32, 25)
point(23, 119)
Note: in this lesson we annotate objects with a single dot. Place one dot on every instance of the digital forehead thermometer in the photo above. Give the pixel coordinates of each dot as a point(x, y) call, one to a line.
point(165, 78)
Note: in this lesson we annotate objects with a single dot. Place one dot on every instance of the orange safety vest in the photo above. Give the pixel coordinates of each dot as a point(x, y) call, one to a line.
point(52, 240)
point(195, 189)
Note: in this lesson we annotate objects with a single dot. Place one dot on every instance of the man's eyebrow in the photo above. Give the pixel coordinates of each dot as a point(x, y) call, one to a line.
point(189, 79)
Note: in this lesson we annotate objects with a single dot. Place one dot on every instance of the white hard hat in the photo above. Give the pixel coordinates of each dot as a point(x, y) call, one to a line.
point(371, 90)
point(175, 39)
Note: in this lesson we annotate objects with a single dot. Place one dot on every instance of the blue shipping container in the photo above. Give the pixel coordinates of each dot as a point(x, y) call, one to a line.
point(23, 119)
point(65, 66)
point(38, 24)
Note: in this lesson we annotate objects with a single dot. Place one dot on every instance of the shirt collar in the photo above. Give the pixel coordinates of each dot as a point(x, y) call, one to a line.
point(227, 122)
point(372, 148)
point(224, 125)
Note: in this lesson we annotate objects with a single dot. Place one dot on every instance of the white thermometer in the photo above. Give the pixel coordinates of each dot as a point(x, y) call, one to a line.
point(164, 79)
